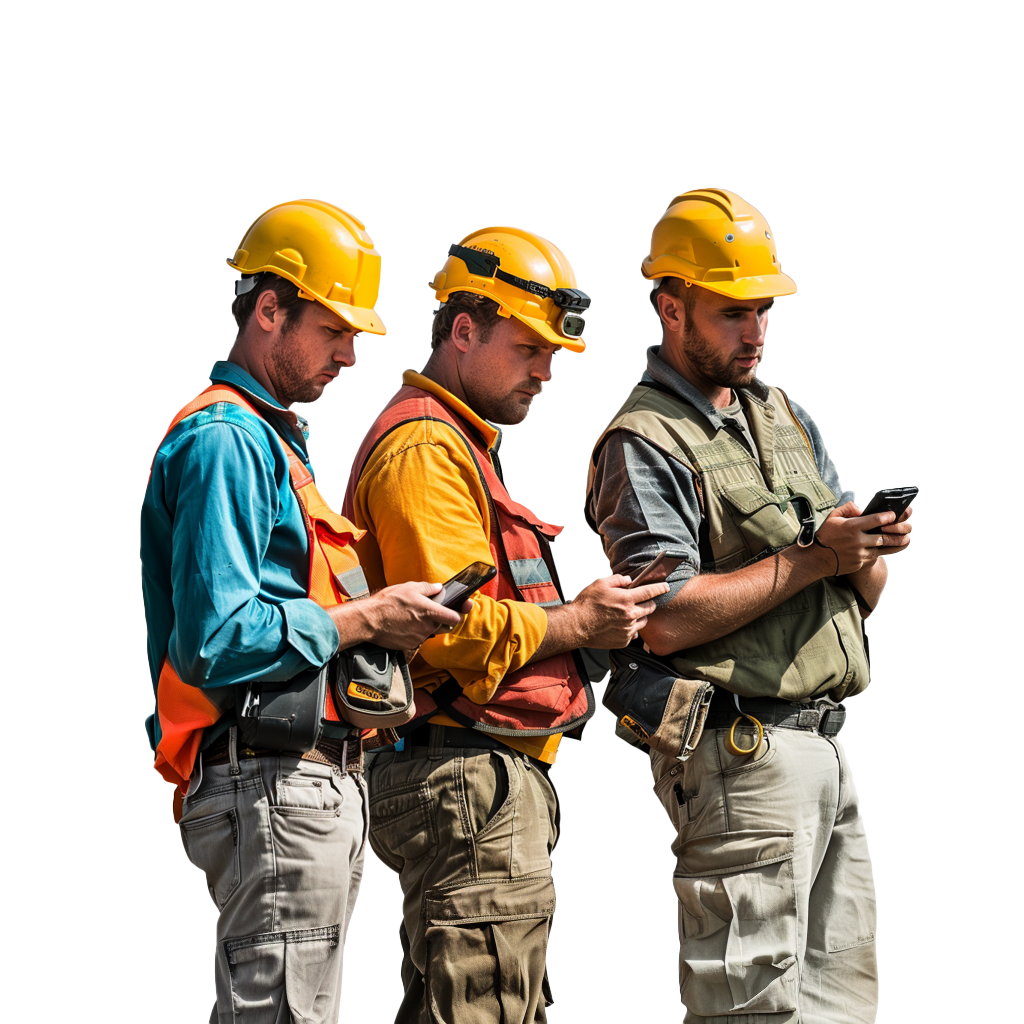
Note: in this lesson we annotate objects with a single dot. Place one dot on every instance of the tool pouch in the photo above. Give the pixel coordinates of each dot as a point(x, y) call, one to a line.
point(654, 707)
point(371, 687)
point(288, 716)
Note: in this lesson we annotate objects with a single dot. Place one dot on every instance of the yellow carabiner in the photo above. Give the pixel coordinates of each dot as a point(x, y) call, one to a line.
point(730, 743)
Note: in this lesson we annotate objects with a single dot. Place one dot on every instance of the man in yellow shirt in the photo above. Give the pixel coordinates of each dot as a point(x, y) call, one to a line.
point(462, 807)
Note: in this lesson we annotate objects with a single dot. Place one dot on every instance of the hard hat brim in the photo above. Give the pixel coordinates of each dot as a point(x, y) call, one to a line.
point(360, 318)
point(769, 286)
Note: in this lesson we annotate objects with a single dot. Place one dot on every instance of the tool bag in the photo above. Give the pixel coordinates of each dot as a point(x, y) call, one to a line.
point(654, 707)
point(371, 687)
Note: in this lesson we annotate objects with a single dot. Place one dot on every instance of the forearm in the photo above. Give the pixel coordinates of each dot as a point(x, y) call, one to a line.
point(869, 582)
point(564, 633)
point(713, 605)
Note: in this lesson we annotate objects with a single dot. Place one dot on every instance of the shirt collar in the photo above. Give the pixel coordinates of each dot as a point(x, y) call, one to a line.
point(659, 370)
point(225, 372)
point(490, 433)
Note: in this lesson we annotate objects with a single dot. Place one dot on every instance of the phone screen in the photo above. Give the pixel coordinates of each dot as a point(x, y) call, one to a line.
point(658, 570)
point(464, 583)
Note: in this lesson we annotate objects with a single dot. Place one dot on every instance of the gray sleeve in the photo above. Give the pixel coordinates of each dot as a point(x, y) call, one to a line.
point(644, 502)
point(826, 470)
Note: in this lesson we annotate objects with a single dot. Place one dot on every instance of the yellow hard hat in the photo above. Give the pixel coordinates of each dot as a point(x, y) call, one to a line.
point(525, 274)
point(323, 250)
point(712, 238)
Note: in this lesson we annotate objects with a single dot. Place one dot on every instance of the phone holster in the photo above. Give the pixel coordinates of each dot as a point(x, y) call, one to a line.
point(286, 716)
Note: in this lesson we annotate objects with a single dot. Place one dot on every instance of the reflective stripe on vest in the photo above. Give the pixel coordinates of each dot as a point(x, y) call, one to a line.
point(809, 645)
point(542, 698)
point(184, 711)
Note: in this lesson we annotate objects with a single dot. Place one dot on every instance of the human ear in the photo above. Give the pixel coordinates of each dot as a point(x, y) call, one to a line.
point(671, 311)
point(267, 310)
point(462, 332)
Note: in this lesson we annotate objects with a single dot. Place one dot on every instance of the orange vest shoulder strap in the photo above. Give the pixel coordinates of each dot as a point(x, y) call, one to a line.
point(207, 397)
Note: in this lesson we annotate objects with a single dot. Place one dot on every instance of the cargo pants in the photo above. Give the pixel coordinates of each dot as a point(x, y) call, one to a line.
point(470, 833)
point(773, 878)
point(281, 842)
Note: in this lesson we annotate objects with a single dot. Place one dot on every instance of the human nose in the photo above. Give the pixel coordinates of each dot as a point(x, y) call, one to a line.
point(542, 369)
point(754, 328)
point(345, 353)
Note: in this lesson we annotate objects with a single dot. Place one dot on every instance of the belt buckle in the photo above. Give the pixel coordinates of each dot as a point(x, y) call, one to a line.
point(832, 719)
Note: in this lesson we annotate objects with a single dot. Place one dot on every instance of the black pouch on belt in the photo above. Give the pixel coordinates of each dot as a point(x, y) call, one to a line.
point(287, 716)
point(653, 705)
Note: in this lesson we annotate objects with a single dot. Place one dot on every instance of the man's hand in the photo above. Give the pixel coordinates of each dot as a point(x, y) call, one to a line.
point(399, 618)
point(845, 535)
point(606, 615)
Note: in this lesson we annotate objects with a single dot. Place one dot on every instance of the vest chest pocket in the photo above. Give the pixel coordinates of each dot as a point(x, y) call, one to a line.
point(753, 520)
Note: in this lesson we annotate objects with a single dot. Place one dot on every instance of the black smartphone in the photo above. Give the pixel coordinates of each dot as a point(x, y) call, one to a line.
point(657, 570)
point(464, 583)
point(891, 499)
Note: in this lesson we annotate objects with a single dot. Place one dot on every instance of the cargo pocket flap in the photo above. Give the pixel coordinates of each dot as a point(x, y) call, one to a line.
point(728, 853)
point(513, 899)
point(749, 498)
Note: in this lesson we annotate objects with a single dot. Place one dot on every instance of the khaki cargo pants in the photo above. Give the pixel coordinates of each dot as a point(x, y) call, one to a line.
point(776, 899)
point(470, 833)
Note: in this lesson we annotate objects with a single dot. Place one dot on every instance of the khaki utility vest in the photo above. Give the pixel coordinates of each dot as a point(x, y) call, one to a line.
point(809, 646)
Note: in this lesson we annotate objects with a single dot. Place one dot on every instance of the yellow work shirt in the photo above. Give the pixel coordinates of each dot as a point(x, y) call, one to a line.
point(424, 509)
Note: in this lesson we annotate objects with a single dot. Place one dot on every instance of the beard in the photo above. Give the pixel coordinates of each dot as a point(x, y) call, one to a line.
point(294, 381)
point(507, 409)
point(710, 363)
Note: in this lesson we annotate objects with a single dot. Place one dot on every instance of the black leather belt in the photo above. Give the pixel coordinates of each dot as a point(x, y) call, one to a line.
point(821, 716)
point(455, 736)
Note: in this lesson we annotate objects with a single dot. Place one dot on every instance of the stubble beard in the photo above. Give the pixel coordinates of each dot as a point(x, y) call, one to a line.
point(702, 355)
point(505, 410)
point(291, 380)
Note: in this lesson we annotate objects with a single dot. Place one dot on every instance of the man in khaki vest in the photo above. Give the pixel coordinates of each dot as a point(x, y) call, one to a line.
point(776, 900)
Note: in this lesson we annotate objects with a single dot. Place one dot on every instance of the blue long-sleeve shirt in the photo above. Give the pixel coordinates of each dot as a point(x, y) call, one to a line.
point(225, 554)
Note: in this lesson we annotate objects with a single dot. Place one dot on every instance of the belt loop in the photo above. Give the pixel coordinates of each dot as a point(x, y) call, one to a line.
point(344, 757)
point(436, 749)
point(233, 750)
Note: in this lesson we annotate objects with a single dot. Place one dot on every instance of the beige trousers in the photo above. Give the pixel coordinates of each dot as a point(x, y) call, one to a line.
point(776, 899)
point(470, 833)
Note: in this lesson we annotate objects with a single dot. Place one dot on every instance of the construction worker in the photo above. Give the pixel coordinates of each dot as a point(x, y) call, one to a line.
point(776, 901)
point(246, 576)
point(463, 808)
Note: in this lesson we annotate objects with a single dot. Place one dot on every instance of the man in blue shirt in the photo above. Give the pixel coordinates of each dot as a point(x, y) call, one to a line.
point(228, 560)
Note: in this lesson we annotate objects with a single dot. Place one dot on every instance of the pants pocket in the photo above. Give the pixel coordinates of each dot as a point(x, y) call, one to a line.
point(737, 923)
point(402, 825)
point(285, 976)
point(486, 950)
point(211, 843)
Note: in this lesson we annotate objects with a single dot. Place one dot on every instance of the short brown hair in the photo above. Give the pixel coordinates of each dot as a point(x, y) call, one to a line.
point(676, 287)
point(480, 309)
point(288, 301)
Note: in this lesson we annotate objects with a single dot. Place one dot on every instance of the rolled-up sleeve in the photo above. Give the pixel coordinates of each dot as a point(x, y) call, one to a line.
point(227, 503)
point(425, 507)
point(644, 502)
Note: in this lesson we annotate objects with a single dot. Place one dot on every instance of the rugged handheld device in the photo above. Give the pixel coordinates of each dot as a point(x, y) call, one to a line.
point(657, 570)
point(891, 499)
point(464, 583)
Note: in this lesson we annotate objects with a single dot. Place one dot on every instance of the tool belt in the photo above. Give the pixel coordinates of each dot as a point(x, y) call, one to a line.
point(453, 736)
point(822, 716)
point(344, 754)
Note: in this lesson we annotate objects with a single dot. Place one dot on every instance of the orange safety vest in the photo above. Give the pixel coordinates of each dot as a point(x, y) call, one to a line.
point(184, 711)
point(542, 698)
